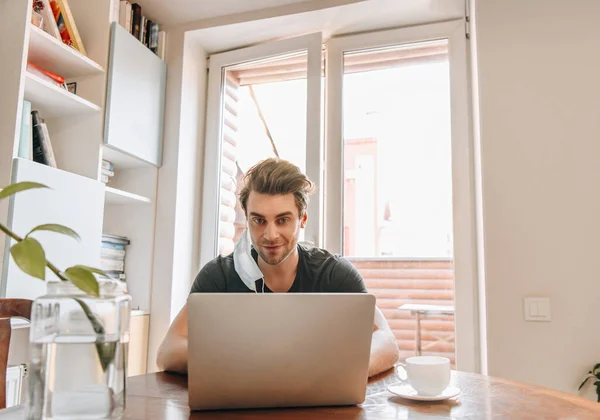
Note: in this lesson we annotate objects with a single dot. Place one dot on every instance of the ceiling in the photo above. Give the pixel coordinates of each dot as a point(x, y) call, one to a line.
point(174, 12)
point(351, 18)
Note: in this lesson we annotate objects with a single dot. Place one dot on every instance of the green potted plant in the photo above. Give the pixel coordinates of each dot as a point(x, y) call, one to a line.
point(593, 374)
point(79, 332)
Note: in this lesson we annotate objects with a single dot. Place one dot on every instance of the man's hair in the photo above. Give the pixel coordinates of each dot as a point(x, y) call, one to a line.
point(276, 176)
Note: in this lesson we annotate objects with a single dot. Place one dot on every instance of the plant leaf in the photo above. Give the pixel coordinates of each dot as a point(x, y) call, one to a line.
point(19, 186)
point(596, 369)
point(83, 279)
point(106, 353)
point(52, 227)
point(94, 270)
point(587, 378)
point(30, 257)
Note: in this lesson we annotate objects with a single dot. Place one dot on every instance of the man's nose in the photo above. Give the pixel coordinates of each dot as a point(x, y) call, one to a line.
point(271, 232)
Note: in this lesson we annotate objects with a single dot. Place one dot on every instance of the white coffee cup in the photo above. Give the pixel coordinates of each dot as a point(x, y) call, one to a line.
point(428, 375)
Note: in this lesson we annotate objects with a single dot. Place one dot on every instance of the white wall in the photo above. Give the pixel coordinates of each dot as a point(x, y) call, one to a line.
point(162, 277)
point(539, 86)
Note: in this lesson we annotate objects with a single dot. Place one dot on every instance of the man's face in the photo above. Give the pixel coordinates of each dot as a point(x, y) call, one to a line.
point(274, 224)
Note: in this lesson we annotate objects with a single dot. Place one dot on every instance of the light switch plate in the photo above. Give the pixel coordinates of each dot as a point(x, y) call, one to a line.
point(537, 309)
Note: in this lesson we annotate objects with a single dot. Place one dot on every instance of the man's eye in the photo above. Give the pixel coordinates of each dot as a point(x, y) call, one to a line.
point(259, 221)
point(283, 220)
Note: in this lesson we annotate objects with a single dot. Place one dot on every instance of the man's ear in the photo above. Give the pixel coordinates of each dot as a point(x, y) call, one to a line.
point(303, 220)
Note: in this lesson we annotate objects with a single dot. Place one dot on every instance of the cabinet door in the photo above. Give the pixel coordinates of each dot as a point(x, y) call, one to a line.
point(73, 201)
point(135, 98)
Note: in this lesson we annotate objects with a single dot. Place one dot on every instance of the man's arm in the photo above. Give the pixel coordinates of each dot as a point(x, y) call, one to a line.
point(384, 348)
point(173, 352)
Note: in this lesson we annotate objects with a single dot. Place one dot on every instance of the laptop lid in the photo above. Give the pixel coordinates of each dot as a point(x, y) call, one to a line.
point(248, 350)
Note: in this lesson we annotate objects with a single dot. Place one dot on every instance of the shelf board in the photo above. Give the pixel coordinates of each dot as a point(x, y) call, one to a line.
point(52, 54)
point(52, 101)
point(122, 160)
point(115, 196)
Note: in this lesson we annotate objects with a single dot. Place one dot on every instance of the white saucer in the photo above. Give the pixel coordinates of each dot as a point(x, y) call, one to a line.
point(407, 391)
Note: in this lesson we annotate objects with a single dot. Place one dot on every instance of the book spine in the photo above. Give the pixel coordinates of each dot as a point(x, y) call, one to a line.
point(70, 25)
point(25, 139)
point(38, 152)
point(160, 50)
point(153, 43)
point(47, 146)
point(111, 245)
point(108, 165)
point(112, 265)
point(148, 33)
point(116, 254)
point(40, 71)
point(136, 20)
point(129, 14)
point(116, 274)
point(142, 29)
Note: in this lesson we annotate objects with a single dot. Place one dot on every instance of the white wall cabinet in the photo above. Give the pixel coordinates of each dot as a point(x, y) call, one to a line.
point(135, 98)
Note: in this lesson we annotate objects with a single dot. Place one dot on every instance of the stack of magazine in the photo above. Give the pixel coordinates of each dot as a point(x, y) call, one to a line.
point(112, 255)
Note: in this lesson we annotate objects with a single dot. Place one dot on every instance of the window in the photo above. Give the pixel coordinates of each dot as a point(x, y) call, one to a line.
point(395, 196)
point(263, 101)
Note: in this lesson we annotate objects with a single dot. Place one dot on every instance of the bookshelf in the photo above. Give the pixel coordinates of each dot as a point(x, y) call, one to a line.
point(76, 125)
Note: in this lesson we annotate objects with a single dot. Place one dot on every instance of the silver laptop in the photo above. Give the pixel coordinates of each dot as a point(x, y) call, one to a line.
point(250, 350)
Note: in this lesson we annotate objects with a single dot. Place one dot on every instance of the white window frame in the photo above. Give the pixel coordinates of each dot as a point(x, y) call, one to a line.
point(312, 44)
point(463, 189)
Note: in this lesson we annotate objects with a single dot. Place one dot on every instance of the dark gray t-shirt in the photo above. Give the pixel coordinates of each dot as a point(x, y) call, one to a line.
point(318, 272)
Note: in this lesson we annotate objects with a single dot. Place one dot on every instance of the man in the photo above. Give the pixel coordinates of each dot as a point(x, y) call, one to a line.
point(275, 199)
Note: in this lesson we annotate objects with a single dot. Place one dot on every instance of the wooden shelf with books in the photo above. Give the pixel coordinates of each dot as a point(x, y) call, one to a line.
point(116, 196)
point(54, 101)
point(48, 52)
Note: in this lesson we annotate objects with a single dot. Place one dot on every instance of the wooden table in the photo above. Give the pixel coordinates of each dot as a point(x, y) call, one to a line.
point(164, 396)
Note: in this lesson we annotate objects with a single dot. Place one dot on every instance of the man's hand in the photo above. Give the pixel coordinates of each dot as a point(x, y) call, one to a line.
point(173, 352)
point(384, 348)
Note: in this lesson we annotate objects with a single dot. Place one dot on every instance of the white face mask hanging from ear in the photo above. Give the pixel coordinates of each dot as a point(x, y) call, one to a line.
point(244, 264)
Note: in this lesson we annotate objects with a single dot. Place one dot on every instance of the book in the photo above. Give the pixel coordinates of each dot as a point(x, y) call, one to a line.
point(115, 254)
point(160, 49)
point(119, 275)
point(112, 245)
point(38, 152)
point(107, 173)
point(147, 32)
point(125, 15)
point(25, 150)
point(153, 37)
point(116, 239)
point(45, 74)
point(136, 19)
point(69, 23)
point(47, 146)
point(142, 33)
point(112, 265)
point(108, 165)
